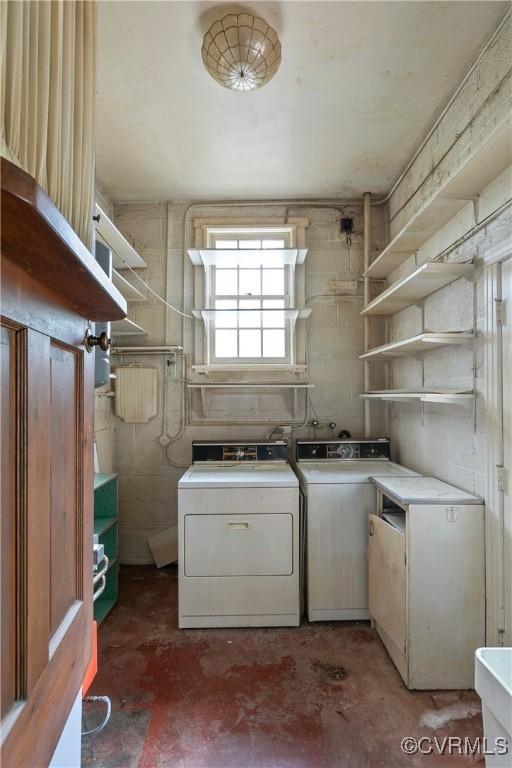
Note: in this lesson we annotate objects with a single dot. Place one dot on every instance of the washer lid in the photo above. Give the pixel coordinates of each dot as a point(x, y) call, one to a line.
point(334, 473)
point(264, 475)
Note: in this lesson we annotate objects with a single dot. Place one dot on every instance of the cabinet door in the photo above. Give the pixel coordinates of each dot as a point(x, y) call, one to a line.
point(387, 580)
point(337, 546)
point(47, 390)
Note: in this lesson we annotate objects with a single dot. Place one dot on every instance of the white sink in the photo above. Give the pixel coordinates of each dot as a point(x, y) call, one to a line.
point(493, 683)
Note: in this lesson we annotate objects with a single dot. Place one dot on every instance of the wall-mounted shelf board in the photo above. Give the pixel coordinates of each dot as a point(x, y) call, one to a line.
point(126, 327)
point(246, 257)
point(250, 368)
point(452, 397)
point(466, 184)
point(146, 350)
point(237, 315)
point(123, 253)
point(102, 524)
point(427, 279)
point(126, 288)
point(101, 479)
point(250, 385)
point(418, 344)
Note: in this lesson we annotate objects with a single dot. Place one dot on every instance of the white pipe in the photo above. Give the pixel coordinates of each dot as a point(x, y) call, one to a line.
point(367, 297)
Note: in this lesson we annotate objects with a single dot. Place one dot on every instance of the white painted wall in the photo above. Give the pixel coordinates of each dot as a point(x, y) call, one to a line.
point(482, 103)
point(69, 748)
point(147, 481)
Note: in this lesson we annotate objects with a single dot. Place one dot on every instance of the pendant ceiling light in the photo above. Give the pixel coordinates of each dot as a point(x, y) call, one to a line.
point(241, 52)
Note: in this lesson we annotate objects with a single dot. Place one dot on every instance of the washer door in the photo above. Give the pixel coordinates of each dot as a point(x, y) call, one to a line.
point(239, 545)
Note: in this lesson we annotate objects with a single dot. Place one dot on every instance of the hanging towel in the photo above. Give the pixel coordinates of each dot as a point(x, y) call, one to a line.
point(136, 399)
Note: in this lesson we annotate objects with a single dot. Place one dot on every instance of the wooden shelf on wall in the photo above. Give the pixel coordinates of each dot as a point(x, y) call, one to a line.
point(250, 385)
point(129, 291)
point(480, 169)
point(415, 345)
point(292, 315)
point(123, 253)
point(425, 280)
point(126, 327)
point(453, 397)
point(246, 257)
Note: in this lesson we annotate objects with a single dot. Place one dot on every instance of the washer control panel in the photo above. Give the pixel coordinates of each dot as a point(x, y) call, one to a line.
point(274, 450)
point(342, 450)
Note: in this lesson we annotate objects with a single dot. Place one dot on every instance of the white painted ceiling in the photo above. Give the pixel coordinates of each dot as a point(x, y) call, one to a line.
point(359, 86)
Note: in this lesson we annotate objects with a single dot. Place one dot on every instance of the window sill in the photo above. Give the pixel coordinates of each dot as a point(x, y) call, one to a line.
point(251, 368)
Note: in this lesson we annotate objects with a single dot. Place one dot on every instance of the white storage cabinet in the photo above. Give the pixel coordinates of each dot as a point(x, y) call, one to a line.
point(427, 580)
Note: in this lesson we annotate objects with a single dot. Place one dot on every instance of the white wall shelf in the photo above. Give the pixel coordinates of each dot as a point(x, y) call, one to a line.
point(417, 345)
point(250, 385)
point(427, 279)
point(246, 257)
point(472, 178)
point(126, 288)
point(238, 314)
point(146, 350)
point(208, 370)
point(126, 327)
point(452, 397)
point(123, 253)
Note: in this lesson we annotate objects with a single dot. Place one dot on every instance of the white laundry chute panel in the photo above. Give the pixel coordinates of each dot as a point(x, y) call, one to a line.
point(136, 393)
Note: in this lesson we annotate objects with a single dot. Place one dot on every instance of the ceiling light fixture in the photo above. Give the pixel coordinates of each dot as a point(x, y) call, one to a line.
point(241, 52)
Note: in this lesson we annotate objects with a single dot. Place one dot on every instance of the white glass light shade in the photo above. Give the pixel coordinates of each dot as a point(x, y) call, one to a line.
point(241, 52)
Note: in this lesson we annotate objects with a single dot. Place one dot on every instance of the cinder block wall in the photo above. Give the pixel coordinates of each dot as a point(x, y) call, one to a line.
point(484, 101)
point(444, 440)
point(148, 481)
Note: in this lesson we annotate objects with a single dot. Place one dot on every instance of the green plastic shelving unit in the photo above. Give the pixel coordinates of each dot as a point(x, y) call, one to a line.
point(106, 524)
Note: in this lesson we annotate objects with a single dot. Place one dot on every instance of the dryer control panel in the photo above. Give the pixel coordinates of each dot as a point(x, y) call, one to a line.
point(271, 450)
point(342, 450)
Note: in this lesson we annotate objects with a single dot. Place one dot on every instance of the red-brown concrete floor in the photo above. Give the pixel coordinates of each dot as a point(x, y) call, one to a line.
point(256, 698)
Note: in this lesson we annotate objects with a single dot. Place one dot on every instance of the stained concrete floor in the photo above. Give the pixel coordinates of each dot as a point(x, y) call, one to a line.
point(320, 696)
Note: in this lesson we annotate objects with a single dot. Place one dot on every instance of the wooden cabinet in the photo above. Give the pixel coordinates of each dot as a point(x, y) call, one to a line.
point(427, 585)
point(51, 290)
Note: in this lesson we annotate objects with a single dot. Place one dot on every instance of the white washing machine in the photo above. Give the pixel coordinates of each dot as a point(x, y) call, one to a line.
point(335, 480)
point(239, 537)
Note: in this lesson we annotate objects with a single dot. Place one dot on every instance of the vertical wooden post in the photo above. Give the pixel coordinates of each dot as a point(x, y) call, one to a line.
point(366, 322)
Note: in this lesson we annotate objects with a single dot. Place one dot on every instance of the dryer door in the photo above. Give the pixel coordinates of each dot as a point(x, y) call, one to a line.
point(239, 545)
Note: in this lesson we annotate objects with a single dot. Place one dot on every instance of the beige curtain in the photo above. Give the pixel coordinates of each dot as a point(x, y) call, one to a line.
point(47, 99)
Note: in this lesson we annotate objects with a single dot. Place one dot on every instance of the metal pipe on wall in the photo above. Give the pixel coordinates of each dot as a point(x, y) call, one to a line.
point(366, 287)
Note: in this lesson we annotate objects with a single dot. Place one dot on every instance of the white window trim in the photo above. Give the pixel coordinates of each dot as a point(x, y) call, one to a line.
point(296, 230)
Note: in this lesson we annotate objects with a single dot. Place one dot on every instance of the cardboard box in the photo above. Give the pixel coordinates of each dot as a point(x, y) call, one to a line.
point(164, 546)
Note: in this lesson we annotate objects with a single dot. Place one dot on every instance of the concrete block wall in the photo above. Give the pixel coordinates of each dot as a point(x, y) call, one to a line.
point(483, 103)
point(444, 440)
point(147, 478)
point(448, 441)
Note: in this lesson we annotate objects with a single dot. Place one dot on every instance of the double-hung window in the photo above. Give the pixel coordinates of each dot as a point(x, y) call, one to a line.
point(251, 295)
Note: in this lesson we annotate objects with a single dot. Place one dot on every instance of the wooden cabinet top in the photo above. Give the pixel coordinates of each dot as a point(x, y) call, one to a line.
point(36, 236)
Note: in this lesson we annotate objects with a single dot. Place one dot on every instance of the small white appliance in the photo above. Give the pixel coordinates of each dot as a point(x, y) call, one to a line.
point(335, 479)
point(239, 537)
